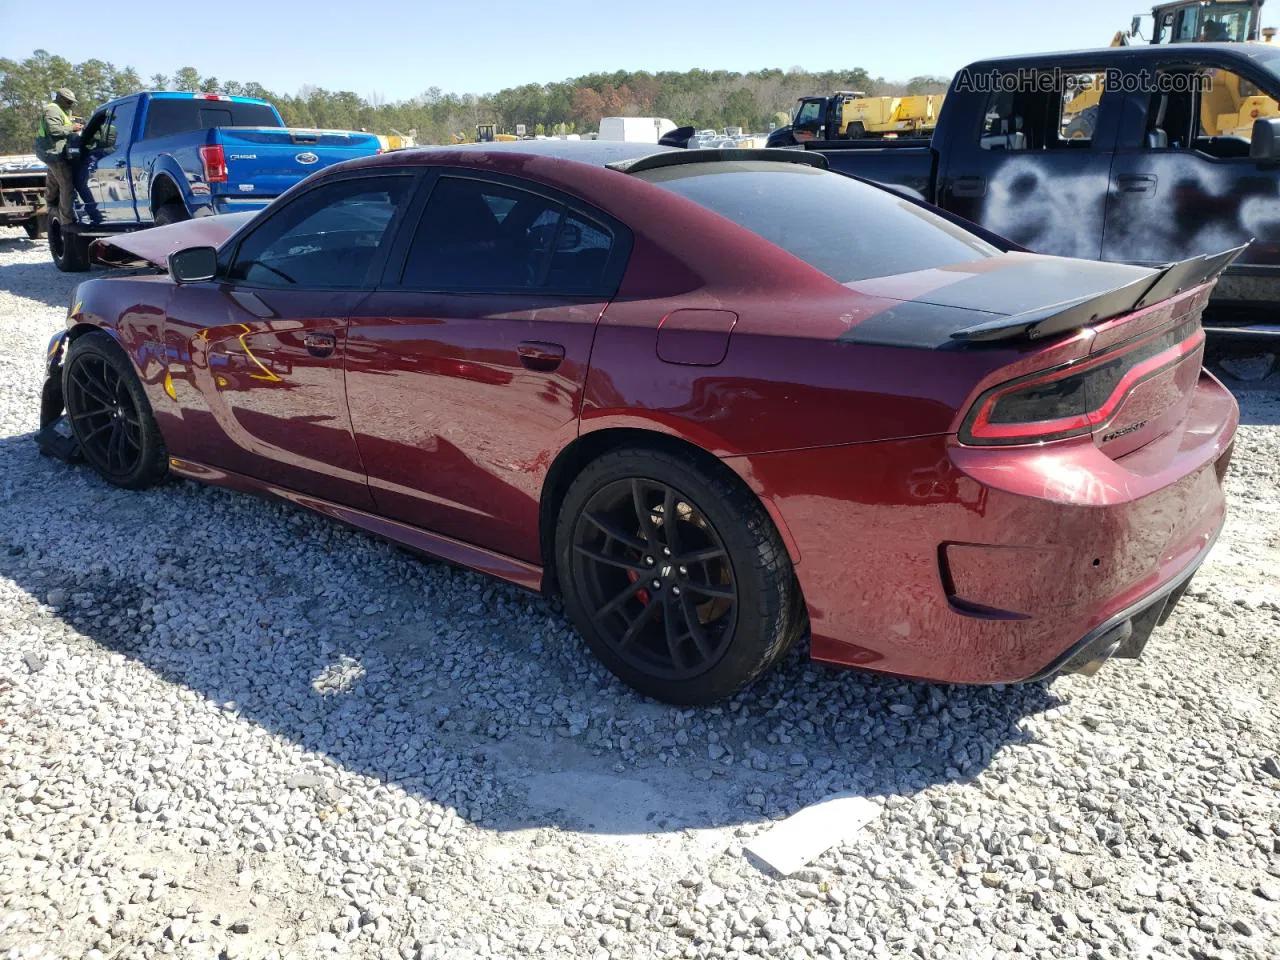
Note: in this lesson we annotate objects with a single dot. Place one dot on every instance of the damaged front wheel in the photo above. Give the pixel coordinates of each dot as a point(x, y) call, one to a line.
point(109, 414)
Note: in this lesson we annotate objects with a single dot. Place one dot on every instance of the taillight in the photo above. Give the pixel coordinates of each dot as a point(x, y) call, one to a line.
point(215, 164)
point(1076, 398)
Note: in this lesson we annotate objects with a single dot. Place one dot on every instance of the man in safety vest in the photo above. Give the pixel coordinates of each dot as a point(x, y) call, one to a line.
point(56, 124)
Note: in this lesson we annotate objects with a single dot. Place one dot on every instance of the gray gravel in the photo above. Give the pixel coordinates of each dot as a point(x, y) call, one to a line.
point(232, 729)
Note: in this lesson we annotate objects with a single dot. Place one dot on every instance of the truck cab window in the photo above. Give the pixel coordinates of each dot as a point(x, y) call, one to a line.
point(1211, 111)
point(1037, 117)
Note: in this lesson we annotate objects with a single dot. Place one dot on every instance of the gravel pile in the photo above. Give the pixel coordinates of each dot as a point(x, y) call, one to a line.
point(231, 729)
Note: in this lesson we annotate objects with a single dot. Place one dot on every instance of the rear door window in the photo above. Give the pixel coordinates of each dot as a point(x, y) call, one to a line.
point(848, 230)
point(1058, 111)
point(170, 115)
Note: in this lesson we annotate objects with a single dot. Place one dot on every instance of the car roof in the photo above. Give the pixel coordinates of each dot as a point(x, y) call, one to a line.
point(595, 152)
point(1147, 51)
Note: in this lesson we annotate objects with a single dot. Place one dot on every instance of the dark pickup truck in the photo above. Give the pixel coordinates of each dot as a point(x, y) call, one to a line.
point(1134, 154)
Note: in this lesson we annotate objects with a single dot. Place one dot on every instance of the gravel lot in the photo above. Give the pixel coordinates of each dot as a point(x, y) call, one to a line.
point(232, 729)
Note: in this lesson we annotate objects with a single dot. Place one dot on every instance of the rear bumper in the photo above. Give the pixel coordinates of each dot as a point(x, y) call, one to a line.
point(928, 559)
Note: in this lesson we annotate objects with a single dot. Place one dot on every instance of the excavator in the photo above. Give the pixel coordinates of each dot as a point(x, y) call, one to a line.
point(1230, 106)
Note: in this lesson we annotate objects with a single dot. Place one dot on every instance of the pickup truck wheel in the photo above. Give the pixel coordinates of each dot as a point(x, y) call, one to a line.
point(170, 213)
point(70, 251)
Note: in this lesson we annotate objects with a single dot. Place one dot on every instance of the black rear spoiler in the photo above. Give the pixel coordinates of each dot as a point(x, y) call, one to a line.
point(1163, 283)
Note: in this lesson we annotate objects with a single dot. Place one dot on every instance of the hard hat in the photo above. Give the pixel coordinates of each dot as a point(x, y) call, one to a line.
point(65, 94)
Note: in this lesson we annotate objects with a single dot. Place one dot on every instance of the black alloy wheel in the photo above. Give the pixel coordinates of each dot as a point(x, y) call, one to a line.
point(674, 574)
point(657, 578)
point(109, 413)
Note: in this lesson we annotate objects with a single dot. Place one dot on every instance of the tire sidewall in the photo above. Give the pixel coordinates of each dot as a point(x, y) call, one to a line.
point(745, 657)
point(152, 460)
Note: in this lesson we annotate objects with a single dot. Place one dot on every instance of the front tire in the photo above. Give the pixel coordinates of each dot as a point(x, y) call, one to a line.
point(69, 250)
point(689, 611)
point(109, 414)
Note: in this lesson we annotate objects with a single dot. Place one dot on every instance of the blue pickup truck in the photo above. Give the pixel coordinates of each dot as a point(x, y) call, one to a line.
point(154, 158)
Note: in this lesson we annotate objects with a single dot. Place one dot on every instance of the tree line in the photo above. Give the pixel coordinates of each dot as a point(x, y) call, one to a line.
point(703, 98)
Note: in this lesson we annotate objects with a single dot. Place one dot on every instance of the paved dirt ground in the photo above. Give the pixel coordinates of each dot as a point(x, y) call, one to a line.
point(229, 728)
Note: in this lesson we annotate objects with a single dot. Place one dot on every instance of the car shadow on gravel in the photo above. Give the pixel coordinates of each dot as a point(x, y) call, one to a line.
point(451, 686)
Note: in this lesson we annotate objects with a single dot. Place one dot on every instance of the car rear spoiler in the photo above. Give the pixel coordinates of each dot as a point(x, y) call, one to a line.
point(1163, 283)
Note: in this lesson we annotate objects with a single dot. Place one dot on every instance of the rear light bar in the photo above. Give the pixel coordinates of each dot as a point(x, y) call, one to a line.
point(1075, 398)
point(214, 161)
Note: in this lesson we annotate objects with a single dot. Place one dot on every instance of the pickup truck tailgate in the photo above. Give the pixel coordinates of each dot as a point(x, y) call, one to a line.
point(267, 161)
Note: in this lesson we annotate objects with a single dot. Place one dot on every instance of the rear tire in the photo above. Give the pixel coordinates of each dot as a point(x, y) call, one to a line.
point(69, 250)
point(855, 131)
point(714, 622)
point(170, 213)
point(109, 414)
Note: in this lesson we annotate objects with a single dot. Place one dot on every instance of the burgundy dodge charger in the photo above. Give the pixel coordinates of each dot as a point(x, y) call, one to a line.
point(713, 399)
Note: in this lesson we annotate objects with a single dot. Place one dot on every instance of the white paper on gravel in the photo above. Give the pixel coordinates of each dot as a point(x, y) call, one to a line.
point(807, 834)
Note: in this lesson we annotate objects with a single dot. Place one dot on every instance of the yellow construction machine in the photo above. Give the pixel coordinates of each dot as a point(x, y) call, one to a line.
point(852, 115)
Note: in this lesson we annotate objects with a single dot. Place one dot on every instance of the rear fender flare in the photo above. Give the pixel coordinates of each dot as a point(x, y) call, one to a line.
point(167, 175)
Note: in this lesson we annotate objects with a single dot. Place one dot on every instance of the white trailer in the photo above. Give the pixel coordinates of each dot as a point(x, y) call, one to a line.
point(635, 129)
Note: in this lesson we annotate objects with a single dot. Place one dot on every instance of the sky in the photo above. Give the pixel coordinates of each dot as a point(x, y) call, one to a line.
point(395, 49)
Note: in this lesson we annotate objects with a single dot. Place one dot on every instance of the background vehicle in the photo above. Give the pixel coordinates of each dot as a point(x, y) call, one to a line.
point(157, 158)
point(658, 382)
point(852, 114)
point(1194, 21)
point(635, 129)
point(22, 194)
point(1154, 177)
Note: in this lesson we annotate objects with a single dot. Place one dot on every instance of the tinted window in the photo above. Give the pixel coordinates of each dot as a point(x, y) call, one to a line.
point(481, 236)
point(848, 230)
point(167, 115)
point(122, 124)
point(327, 238)
point(580, 261)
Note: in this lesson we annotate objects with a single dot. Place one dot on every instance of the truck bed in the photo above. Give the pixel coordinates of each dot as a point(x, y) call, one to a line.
point(905, 162)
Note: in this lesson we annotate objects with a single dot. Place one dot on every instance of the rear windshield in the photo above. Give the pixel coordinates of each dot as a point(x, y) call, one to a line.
point(847, 229)
point(166, 116)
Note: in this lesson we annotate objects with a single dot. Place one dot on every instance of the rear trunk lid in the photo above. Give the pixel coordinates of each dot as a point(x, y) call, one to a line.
point(267, 161)
point(1137, 352)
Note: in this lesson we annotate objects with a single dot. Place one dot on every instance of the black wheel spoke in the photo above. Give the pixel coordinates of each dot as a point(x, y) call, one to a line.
point(721, 591)
point(625, 595)
point(599, 556)
point(97, 430)
point(643, 513)
point(674, 636)
point(699, 635)
point(615, 533)
point(670, 521)
point(636, 625)
point(86, 383)
point(699, 556)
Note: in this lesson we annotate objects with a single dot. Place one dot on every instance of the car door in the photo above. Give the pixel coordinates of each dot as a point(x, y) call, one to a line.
point(110, 184)
point(256, 356)
point(93, 153)
point(1034, 167)
point(465, 368)
point(1183, 183)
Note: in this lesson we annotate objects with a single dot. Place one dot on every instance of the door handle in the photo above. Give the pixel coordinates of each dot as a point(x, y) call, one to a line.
point(320, 344)
point(1140, 184)
point(969, 187)
point(540, 355)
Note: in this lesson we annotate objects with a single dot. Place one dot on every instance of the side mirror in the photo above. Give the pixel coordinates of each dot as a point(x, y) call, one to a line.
point(193, 265)
point(1264, 146)
point(1134, 26)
